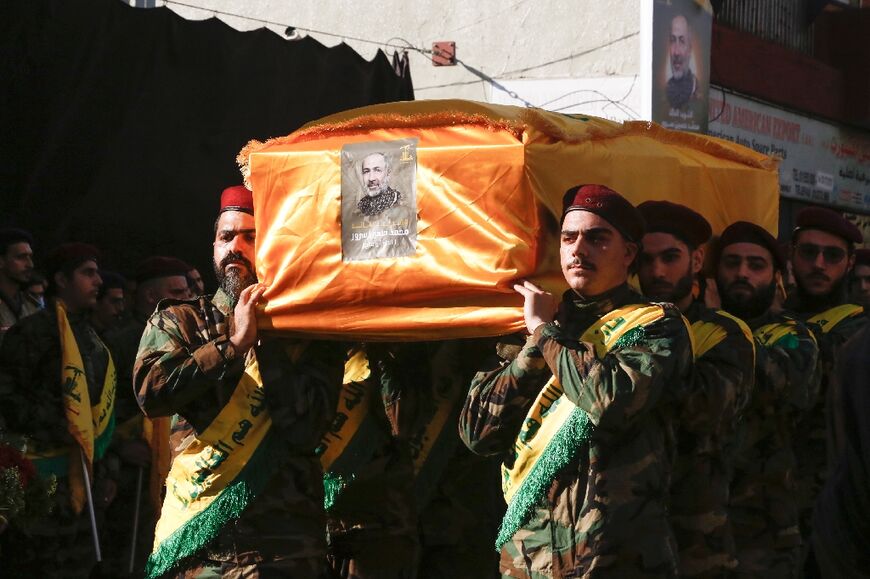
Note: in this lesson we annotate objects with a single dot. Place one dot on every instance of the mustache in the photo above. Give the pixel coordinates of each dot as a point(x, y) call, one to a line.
point(235, 257)
point(576, 262)
point(740, 285)
point(818, 275)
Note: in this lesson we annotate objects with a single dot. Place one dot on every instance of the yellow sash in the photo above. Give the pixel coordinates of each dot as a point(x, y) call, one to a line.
point(771, 334)
point(444, 396)
point(830, 318)
point(212, 480)
point(90, 425)
point(707, 335)
point(551, 409)
point(353, 408)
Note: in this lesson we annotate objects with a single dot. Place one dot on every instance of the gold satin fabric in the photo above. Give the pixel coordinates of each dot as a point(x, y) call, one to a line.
point(490, 180)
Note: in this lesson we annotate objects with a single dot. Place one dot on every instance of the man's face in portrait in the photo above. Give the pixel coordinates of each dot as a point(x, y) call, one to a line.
point(681, 46)
point(375, 174)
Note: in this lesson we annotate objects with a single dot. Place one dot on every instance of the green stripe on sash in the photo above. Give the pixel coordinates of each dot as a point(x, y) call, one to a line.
point(203, 528)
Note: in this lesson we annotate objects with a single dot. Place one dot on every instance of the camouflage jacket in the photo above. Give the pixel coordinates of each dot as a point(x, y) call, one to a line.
point(814, 442)
point(11, 313)
point(841, 519)
point(373, 515)
point(722, 379)
point(763, 503)
point(31, 403)
point(374, 519)
point(187, 366)
point(605, 514)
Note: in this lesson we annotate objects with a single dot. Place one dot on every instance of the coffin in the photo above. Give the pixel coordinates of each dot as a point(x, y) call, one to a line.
point(485, 188)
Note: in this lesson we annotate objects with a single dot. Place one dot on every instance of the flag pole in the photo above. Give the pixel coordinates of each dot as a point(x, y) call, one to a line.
point(91, 511)
point(136, 519)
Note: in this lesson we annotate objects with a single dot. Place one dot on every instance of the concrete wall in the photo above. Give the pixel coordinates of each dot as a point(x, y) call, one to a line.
point(536, 48)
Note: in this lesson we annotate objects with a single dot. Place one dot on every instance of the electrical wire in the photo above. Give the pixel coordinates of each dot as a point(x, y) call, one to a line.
point(429, 52)
point(303, 29)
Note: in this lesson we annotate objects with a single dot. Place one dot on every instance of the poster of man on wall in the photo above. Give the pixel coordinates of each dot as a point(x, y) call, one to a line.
point(681, 63)
point(378, 199)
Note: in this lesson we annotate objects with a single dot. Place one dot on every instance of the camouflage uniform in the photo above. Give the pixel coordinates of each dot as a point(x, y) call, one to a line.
point(31, 405)
point(605, 514)
point(372, 523)
point(458, 493)
point(721, 385)
point(459, 521)
point(187, 366)
point(841, 521)
point(813, 446)
point(123, 342)
point(11, 313)
point(763, 503)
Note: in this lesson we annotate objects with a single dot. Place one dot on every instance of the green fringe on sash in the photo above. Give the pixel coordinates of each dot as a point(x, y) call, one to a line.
point(202, 529)
point(333, 485)
point(559, 452)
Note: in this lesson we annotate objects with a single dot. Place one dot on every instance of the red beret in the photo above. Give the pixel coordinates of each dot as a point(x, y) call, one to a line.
point(69, 256)
point(862, 256)
point(745, 232)
point(159, 266)
point(608, 204)
point(237, 198)
point(678, 220)
point(829, 221)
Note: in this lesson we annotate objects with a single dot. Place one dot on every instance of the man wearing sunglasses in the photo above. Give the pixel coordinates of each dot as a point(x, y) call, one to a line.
point(822, 253)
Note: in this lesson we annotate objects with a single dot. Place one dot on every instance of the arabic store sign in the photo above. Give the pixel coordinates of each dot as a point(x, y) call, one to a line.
point(821, 162)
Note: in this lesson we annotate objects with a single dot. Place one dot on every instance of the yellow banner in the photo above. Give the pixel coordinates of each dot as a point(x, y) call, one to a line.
point(201, 472)
point(86, 423)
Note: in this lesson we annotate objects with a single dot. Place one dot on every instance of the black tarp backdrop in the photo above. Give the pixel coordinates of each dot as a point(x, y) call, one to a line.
point(120, 126)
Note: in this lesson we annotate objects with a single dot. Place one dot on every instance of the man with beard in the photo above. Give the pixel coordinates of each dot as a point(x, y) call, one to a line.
point(381, 201)
point(682, 87)
point(763, 511)
point(823, 253)
point(584, 415)
point(158, 278)
point(671, 258)
point(16, 267)
point(244, 495)
point(57, 389)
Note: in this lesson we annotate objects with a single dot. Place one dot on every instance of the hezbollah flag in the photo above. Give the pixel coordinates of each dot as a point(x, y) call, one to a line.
point(411, 220)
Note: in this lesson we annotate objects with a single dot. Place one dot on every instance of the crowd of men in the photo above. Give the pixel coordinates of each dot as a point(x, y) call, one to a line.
point(676, 412)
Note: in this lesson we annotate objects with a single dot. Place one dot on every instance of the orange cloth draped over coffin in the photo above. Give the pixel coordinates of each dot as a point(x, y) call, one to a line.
point(489, 184)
